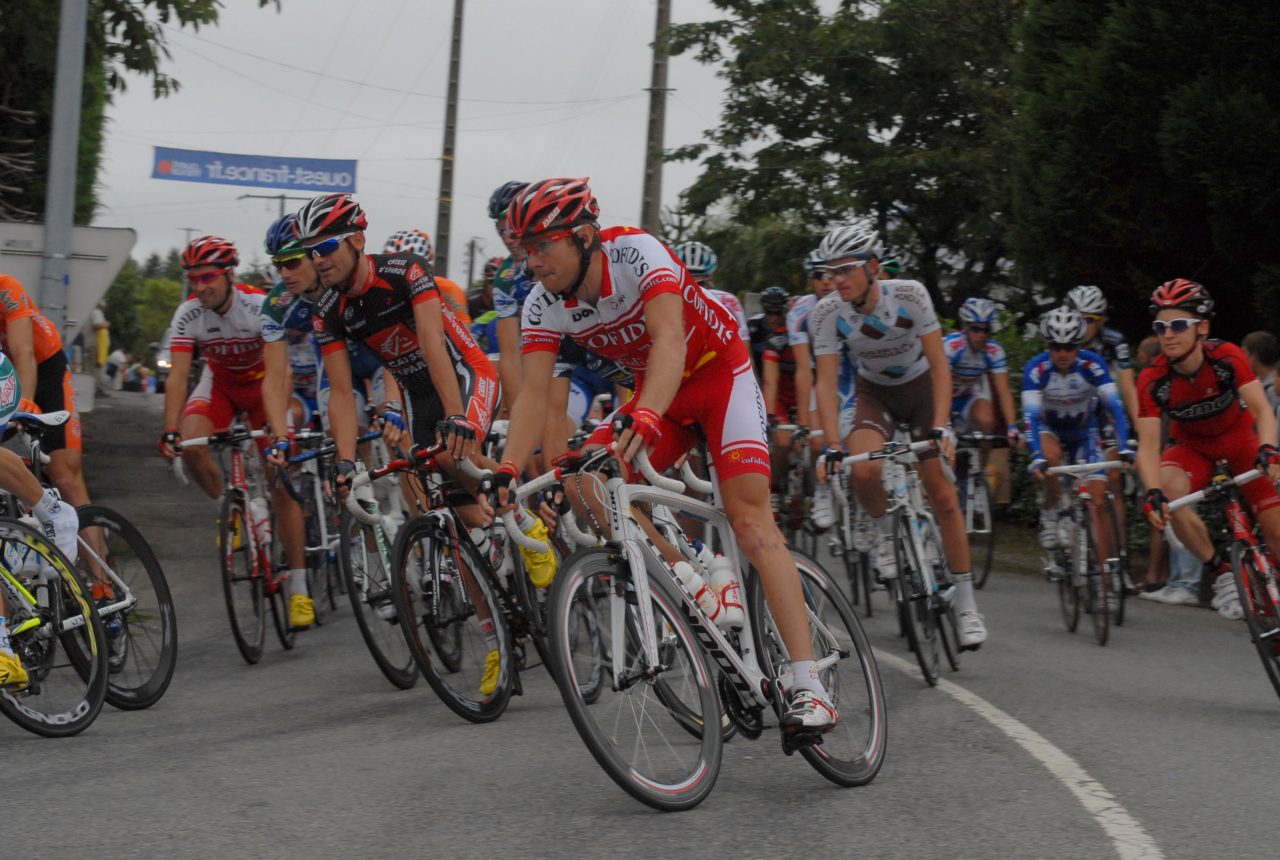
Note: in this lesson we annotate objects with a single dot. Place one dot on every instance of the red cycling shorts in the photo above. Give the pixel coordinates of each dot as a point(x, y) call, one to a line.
point(724, 400)
point(1239, 447)
point(221, 402)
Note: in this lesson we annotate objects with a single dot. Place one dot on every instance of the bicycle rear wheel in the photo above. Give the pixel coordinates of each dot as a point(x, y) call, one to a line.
point(1097, 582)
point(853, 752)
point(241, 581)
point(630, 728)
point(142, 655)
point(65, 649)
point(914, 611)
point(441, 587)
point(369, 589)
point(1252, 569)
point(981, 528)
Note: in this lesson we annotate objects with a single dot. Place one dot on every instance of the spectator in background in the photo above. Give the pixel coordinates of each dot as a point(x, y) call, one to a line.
point(1263, 351)
point(116, 362)
point(102, 346)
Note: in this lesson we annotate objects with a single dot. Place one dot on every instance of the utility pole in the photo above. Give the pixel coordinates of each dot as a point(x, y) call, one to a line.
point(651, 201)
point(64, 148)
point(473, 245)
point(444, 210)
point(188, 231)
point(281, 197)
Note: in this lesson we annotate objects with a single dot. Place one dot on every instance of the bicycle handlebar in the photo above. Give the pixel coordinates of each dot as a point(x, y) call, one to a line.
point(1214, 489)
point(698, 485)
point(1086, 468)
point(641, 460)
point(890, 451)
point(226, 436)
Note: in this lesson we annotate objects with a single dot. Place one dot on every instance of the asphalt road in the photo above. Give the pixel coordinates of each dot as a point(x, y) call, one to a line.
point(1045, 745)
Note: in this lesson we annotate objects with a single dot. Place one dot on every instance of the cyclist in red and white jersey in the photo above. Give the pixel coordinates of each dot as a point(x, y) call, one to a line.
point(1218, 411)
point(891, 328)
point(224, 319)
point(623, 294)
point(701, 262)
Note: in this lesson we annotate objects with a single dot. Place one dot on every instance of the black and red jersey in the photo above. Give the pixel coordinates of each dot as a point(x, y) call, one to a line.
point(382, 319)
point(1206, 404)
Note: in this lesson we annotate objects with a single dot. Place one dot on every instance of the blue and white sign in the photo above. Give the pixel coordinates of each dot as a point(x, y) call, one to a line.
point(260, 171)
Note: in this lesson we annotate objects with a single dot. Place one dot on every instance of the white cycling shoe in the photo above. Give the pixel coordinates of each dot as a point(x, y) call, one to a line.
point(972, 628)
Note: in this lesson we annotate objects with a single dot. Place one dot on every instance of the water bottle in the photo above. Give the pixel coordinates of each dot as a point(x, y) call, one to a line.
point(698, 589)
point(724, 582)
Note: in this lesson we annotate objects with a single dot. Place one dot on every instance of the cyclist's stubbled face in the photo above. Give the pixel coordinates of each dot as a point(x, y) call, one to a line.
point(554, 261)
point(302, 280)
point(212, 293)
point(1063, 358)
point(335, 270)
point(977, 337)
point(852, 276)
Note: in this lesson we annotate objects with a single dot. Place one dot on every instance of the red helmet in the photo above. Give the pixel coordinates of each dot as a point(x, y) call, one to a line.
point(550, 205)
point(329, 214)
point(1182, 294)
point(210, 251)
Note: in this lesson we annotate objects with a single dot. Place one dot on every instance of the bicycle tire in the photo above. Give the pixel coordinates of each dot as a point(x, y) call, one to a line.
point(66, 654)
point(944, 613)
point(147, 645)
point(982, 541)
point(1261, 615)
point(368, 587)
point(1069, 601)
point(314, 559)
point(532, 604)
point(1121, 574)
point(853, 752)
point(457, 688)
point(241, 584)
point(914, 611)
point(1097, 583)
point(679, 769)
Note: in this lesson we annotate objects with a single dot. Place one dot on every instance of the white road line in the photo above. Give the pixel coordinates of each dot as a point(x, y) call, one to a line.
point(1131, 840)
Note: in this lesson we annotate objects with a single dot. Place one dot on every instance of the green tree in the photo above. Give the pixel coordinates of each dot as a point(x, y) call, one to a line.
point(1145, 150)
point(122, 310)
point(158, 298)
point(123, 36)
point(898, 111)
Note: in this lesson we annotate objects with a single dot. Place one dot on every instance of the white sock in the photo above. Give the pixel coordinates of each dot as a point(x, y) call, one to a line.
point(804, 676)
point(297, 582)
point(41, 508)
point(963, 600)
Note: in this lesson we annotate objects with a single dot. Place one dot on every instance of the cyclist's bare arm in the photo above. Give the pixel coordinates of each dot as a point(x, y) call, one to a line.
point(940, 374)
point(664, 317)
point(509, 360)
point(276, 386)
point(828, 398)
point(342, 403)
point(20, 347)
point(529, 411)
point(430, 321)
point(1004, 396)
point(804, 384)
point(771, 374)
point(175, 388)
point(1255, 399)
point(1148, 459)
point(1128, 392)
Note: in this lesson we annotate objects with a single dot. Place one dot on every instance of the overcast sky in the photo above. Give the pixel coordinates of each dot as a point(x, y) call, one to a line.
point(548, 88)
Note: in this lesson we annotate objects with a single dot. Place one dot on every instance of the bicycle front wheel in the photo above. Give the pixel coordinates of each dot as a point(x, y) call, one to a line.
point(64, 646)
point(631, 727)
point(981, 528)
point(914, 609)
point(453, 626)
point(853, 752)
point(143, 649)
point(1252, 570)
point(369, 589)
point(1097, 581)
point(241, 580)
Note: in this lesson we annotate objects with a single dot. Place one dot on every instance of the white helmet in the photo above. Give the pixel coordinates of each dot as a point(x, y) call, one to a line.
point(813, 261)
point(1087, 299)
point(850, 240)
point(1063, 325)
point(698, 258)
point(976, 310)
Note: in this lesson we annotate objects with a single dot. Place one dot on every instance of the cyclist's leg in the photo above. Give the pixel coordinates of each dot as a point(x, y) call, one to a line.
point(208, 410)
point(62, 444)
point(1184, 470)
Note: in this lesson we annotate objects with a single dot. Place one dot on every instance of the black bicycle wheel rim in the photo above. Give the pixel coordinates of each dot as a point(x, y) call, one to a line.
point(692, 761)
point(1261, 615)
point(150, 626)
point(1098, 583)
point(368, 587)
point(67, 670)
point(982, 543)
point(914, 610)
point(429, 534)
point(241, 586)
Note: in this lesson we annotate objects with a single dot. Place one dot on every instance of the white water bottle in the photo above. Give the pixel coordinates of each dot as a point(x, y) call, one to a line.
point(260, 514)
point(724, 582)
point(698, 589)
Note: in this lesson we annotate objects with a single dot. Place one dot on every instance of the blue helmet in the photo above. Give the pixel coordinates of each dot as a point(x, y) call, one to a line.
point(976, 310)
point(502, 196)
point(282, 237)
point(774, 300)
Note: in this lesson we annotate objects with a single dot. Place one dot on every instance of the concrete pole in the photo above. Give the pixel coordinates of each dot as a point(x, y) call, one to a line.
point(651, 202)
point(444, 210)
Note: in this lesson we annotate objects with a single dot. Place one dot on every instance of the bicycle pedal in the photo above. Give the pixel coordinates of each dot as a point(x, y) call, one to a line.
point(970, 647)
point(799, 739)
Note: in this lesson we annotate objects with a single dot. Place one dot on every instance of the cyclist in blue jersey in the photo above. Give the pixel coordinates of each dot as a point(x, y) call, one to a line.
point(1061, 388)
point(979, 368)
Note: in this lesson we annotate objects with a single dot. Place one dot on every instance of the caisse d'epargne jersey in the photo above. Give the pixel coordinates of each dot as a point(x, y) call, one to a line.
point(637, 267)
point(969, 368)
point(1206, 404)
point(231, 342)
point(886, 340)
point(382, 319)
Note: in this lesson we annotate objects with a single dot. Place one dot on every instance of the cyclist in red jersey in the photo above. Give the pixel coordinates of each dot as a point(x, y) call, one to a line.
point(225, 319)
point(1218, 411)
point(621, 293)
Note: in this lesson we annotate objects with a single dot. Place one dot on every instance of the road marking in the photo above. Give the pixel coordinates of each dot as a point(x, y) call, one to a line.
point(1130, 838)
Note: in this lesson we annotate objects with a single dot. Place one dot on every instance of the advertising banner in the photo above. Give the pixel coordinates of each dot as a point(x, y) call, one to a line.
point(259, 171)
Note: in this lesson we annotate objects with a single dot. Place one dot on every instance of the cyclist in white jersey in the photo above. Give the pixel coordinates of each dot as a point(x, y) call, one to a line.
point(225, 319)
point(978, 365)
point(621, 293)
point(903, 377)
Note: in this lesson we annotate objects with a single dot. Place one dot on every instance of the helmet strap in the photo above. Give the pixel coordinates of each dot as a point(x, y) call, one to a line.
point(584, 252)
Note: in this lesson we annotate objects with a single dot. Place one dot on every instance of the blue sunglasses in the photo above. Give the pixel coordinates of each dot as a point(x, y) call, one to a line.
point(327, 246)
